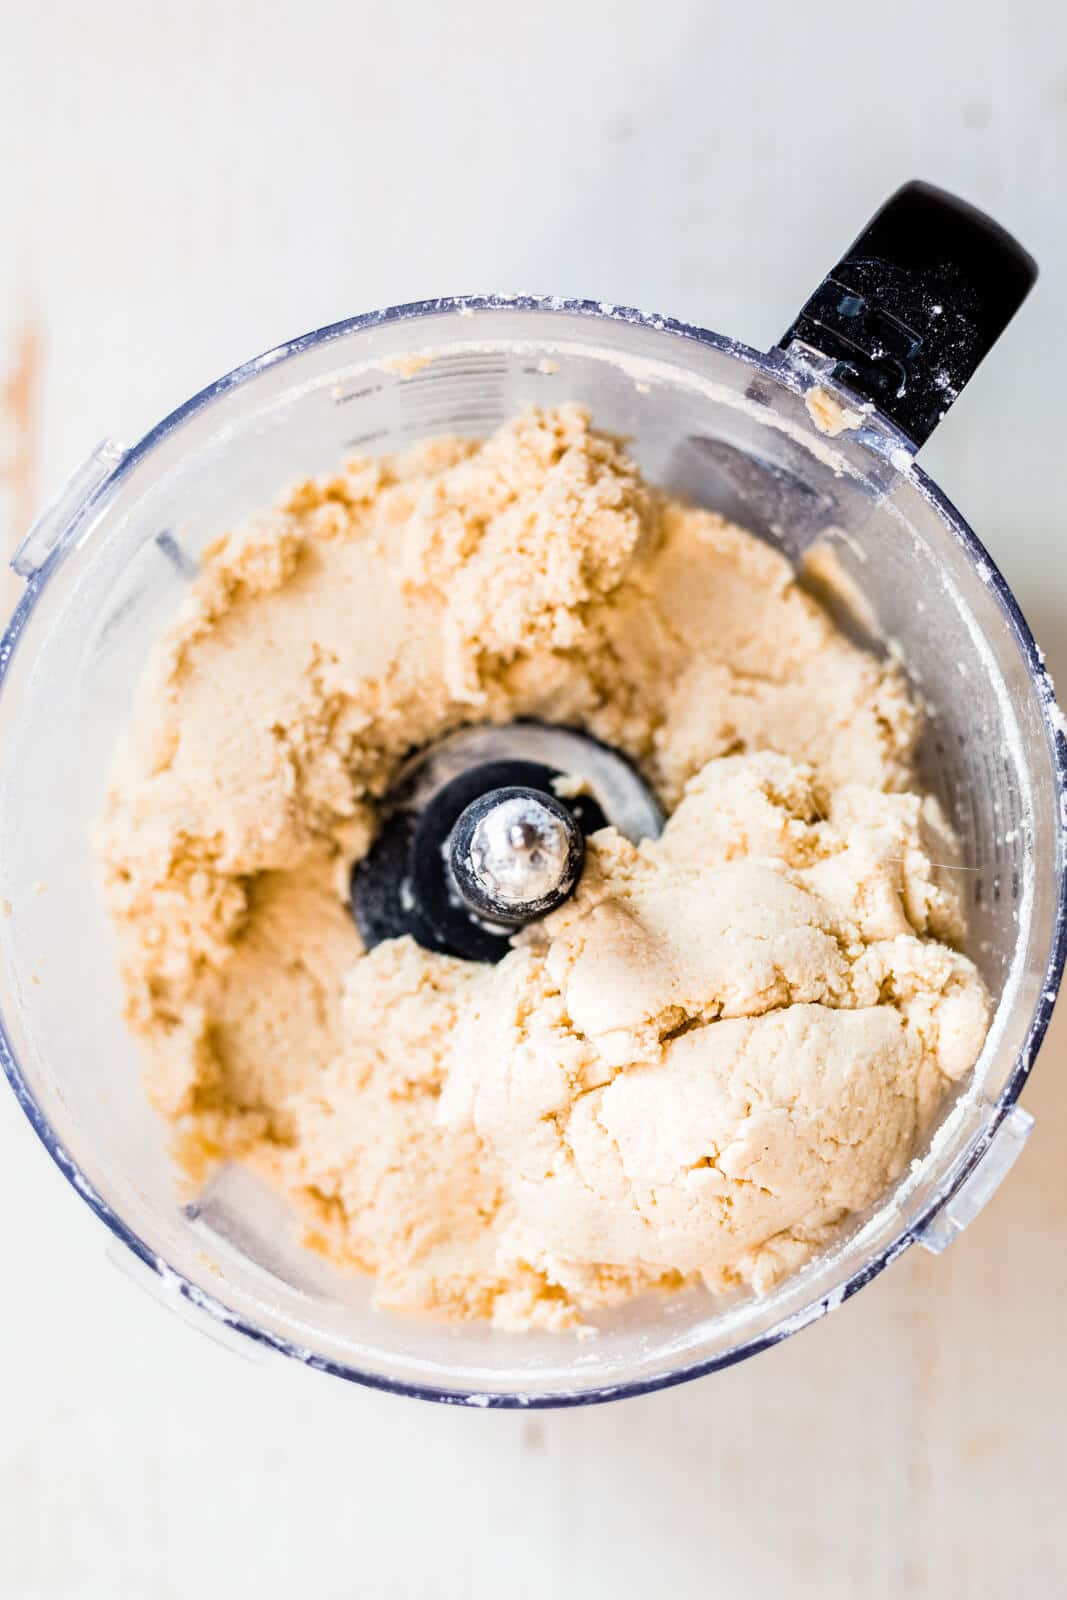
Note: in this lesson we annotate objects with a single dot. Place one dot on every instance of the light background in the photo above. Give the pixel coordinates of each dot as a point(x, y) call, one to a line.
point(182, 185)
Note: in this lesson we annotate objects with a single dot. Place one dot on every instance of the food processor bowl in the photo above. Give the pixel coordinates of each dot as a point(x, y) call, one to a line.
point(727, 426)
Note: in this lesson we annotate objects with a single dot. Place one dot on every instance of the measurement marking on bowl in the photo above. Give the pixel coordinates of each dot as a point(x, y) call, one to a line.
point(179, 558)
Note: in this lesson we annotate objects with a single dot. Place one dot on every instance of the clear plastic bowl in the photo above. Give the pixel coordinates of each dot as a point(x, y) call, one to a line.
point(105, 568)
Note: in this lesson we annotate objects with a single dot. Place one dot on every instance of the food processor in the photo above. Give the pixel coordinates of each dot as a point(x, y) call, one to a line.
point(812, 447)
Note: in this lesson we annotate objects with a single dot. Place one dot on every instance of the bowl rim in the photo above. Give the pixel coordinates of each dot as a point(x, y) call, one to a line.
point(1056, 732)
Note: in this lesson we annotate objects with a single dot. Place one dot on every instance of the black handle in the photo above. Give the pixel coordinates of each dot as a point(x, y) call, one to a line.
point(912, 308)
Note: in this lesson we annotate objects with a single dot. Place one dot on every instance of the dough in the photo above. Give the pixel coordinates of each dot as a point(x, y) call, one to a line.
point(728, 1041)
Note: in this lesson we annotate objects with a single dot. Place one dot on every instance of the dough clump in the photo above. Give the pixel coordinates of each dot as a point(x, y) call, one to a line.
point(727, 1042)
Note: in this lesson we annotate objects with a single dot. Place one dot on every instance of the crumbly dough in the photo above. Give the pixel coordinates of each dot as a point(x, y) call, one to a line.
point(729, 1040)
point(828, 413)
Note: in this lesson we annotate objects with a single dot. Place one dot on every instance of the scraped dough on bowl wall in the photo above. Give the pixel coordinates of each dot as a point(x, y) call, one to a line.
point(730, 1040)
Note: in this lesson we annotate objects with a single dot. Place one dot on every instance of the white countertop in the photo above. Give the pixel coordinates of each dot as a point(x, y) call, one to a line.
point(184, 184)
